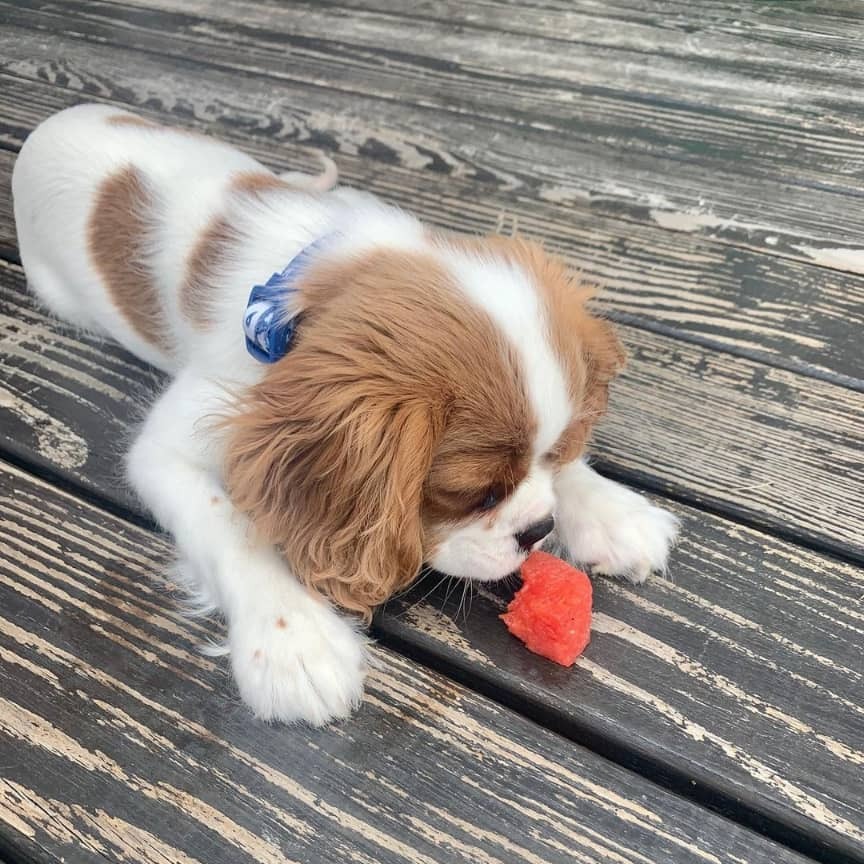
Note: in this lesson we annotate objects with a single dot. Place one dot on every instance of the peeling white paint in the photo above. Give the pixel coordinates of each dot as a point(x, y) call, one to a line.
point(427, 619)
point(760, 771)
point(56, 442)
point(838, 258)
point(690, 221)
point(603, 623)
point(563, 194)
point(611, 189)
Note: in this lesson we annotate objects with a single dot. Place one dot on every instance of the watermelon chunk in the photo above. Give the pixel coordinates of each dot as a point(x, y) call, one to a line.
point(551, 612)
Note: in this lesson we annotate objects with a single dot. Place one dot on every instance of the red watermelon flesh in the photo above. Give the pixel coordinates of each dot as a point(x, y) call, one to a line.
point(551, 612)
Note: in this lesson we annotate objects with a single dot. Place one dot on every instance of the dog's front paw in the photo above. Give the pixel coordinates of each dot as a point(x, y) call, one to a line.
point(616, 531)
point(298, 662)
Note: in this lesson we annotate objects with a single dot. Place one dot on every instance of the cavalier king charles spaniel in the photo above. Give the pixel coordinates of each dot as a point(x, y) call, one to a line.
point(353, 396)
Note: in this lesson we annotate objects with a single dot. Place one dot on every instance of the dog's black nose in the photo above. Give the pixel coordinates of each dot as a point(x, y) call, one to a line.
point(535, 533)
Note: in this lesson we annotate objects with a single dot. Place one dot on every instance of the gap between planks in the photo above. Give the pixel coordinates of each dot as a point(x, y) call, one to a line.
point(658, 772)
point(658, 326)
point(401, 685)
point(655, 771)
point(683, 219)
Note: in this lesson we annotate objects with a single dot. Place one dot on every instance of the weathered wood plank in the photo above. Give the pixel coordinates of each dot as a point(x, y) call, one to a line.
point(788, 314)
point(765, 307)
point(760, 34)
point(716, 429)
point(714, 716)
point(755, 442)
point(647, 686)
point(740, 674)
point(94, 380)
point(8, 244)
point(707, 458)
point(705, 136)
point(118, 740)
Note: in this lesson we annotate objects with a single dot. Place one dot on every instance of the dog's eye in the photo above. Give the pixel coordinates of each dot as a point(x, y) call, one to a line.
point(490, 499)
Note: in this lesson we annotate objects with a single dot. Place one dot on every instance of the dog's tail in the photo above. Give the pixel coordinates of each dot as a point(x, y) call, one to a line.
point(322, 182)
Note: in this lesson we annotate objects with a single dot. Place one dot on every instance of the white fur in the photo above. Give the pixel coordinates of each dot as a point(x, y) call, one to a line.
point(486, 549)
point(294, 657)
point(512, 301)
point(610, 528)
point(313, 668)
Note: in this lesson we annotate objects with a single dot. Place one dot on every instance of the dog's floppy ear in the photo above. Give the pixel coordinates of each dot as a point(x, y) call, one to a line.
point(332, 471)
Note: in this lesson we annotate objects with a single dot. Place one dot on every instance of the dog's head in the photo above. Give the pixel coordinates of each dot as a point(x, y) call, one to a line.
point(421, 414)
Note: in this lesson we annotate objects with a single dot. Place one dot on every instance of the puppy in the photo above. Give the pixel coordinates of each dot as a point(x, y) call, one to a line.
point(353, 394)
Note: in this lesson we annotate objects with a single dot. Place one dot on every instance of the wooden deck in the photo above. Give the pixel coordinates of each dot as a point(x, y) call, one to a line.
point(704, 162)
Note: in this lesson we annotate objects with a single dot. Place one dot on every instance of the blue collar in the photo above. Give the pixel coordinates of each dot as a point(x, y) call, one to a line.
point(269, 322)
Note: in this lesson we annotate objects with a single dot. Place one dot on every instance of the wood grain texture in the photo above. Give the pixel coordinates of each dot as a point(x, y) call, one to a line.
point(745, 438)
point(633, 111)
point(755, 442)
point(8, 243)
point(119, 741)
point(93, 381)
point(741, 673)
point(735, 456)
point(683, 670)
point(747, 302)
point(697, 170)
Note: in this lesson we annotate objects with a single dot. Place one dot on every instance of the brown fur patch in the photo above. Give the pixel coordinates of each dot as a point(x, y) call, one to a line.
point(216, 246)
point(206, 260)
point(397, 407)
point(586, 345)
point(132, 120)
point(117, 239)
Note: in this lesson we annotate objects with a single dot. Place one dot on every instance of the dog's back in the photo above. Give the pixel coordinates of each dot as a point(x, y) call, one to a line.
point(108, 208)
